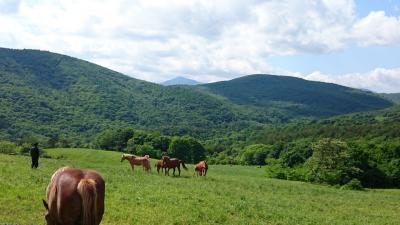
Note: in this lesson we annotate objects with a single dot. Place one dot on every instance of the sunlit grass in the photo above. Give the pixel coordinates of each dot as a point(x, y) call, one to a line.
point(228, 195)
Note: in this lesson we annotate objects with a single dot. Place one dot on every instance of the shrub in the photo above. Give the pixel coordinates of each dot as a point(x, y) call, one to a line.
point(24, 149)
point(256, 154)
point(275, 169)
point(7, 147)
point(148, 150)
point(353, 184)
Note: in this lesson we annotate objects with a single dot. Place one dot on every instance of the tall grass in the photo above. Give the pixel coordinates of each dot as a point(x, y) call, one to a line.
point(228, 195)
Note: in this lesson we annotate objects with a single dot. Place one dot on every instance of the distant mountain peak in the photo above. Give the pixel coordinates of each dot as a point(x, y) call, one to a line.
point(180, 81)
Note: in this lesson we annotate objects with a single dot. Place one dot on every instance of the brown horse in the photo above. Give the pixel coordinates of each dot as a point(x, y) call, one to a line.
point(137, 160)
point(75, 196)
point(173, 163)
point(160, 165)
point(201, 168)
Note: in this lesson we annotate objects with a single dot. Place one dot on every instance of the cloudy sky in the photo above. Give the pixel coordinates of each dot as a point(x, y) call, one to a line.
point(354, 43)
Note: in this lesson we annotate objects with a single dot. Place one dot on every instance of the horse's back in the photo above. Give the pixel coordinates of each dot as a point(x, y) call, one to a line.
point(67, 202)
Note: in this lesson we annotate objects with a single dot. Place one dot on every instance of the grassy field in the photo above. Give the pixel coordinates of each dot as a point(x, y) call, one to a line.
point(229, 195)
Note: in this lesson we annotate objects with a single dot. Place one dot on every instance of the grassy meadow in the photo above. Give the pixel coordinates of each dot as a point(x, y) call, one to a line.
point(228, 195)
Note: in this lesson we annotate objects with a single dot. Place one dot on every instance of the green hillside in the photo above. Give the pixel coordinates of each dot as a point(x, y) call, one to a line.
point(228, 195)
point(395, 97)
point(297, 96)
point(46, 95)
point(366, 125)
point(368, 141)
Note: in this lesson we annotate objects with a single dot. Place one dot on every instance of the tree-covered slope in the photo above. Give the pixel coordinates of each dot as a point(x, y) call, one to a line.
point(383, 124)
point(55, 96)
point(297, 96)
point(51, 94)
point(395, 97)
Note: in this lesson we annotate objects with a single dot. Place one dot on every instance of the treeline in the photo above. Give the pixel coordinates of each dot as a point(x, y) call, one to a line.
point(362, 148)
point(369, 163)
point(153, 144)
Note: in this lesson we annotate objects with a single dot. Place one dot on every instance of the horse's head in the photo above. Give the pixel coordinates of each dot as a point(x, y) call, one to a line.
point(126, 156)
point(165, 159)
point(49, 219)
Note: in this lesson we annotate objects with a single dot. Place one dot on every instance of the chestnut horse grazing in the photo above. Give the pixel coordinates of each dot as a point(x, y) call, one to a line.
point(137, 160)
point(172, 163)
point(201, 168)
point(160, 164)
point(75, 196)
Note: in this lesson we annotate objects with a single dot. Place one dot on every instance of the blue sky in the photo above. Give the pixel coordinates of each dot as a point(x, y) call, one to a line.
point(350, 42)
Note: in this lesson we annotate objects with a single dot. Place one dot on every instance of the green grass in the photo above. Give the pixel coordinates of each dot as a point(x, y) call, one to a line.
point(229, 195)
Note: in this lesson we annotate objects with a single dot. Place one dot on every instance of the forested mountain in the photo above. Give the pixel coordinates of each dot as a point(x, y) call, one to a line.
point(303, 97)
point(47, 95)
point(395, 97)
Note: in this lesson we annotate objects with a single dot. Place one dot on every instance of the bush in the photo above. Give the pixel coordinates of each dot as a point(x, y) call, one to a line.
point(146, 149)
point(7, 147)
point(256, 154)
point(24, 149)
point(354, 184)
point(275, 169)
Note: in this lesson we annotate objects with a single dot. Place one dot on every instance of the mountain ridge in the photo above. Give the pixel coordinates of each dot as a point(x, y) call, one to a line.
point(46, 94)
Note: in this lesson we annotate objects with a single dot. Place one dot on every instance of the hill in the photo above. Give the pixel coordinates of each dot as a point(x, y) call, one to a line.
point(46, 95)
point(369, 139)
point(228, 195)
point(395, 97)
point(180, 81)
point(298, 96)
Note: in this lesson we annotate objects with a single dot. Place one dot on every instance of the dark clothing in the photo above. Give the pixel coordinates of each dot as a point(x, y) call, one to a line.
point(35, 156)
point(35, 162)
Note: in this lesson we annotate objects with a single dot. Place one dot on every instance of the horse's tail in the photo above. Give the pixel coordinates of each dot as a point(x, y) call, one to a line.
point(183, 165)
point(87, 191)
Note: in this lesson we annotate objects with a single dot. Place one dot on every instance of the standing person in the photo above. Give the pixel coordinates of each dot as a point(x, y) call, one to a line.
point(35, 155)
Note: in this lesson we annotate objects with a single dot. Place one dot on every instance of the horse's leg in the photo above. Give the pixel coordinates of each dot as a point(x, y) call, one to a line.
point(179, 170)
point(133, 167)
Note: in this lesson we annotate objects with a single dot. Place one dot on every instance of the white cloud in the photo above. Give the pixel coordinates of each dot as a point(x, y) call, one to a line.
point(203, 40)
point(378, 80)
point(377, 29)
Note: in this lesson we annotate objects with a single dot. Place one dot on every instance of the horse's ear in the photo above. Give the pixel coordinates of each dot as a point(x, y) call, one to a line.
point(45, 204)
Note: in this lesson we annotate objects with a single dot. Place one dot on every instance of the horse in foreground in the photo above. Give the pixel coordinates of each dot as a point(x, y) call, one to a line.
point(160, 165)
point(173, 163)
point(137, 160)
point(200, 169)
point(75, 196)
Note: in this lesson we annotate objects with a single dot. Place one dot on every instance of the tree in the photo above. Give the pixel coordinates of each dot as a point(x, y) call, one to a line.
point(147, 149)
point(114, 139)
point(186, 148)
point(256, 154)
point(180, 148)
point(330, 162)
